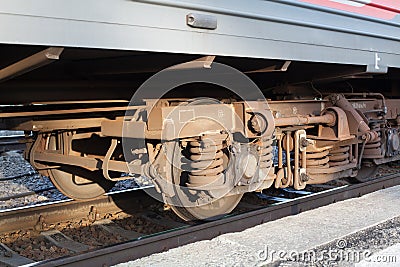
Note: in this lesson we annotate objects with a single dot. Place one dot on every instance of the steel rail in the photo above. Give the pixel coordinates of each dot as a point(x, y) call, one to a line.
point(131, 250)
point(12, 142)
point(53, 212)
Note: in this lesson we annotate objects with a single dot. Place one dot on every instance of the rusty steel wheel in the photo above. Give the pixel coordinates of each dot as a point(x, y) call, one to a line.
point(212, 211)
point(366, 173)
point(74, 182)
point(86, 185)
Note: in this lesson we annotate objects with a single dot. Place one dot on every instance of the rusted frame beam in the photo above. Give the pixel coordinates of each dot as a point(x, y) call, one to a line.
point(86, 162)
point(51, 125)
point(328, 118)
point(66, 111)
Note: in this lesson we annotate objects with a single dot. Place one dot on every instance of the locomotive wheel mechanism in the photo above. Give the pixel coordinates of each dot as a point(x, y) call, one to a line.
point(74, 182)
point(212, 211)
point(184, 203)
point(365, 174)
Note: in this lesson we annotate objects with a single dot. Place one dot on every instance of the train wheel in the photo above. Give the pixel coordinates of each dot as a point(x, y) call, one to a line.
point(86, 185)
point(186, 201)
point(366, 173)
point(212, 211)
point(74, 182)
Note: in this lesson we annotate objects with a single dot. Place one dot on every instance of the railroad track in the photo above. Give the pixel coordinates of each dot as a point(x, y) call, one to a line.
point(35, 217)
point(12, 142)
point(167, 231)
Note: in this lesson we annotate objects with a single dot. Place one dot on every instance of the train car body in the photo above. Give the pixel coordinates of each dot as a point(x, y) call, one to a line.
point(305, 31)
point(324, 31)
point(209, 100)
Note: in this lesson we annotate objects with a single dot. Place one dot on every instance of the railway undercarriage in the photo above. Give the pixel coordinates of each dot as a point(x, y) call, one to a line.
point(67, 78)
point(203, 154)
point(201, 146)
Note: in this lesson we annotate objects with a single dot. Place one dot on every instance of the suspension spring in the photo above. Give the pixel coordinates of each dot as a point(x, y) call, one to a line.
point(266, 155)
point(373, 150)
point(318, 160)
point(206, 160)
point(339, 156)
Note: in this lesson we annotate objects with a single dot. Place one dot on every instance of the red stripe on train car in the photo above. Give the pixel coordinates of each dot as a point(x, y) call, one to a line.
point(383, 9)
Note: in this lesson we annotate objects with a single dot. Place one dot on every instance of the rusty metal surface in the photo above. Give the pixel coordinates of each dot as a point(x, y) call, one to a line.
point(327, 127)
point(61, 112)
point(28, 218)
point(304, 120)
point(140, 248)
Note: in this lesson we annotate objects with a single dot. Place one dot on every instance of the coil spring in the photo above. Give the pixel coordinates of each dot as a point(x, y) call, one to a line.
point(373, 149)
point(206, 157)
point(318, 160)
point(339, 156)
point(266, 155)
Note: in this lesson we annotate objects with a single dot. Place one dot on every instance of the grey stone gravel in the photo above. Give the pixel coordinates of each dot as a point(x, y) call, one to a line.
point(124, 185)
point(13, 164)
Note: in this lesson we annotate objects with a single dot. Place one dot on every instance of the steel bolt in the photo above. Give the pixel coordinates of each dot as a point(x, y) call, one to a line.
point(304, 142)
point(304, 177)
point(93, 215)
point(40, 225)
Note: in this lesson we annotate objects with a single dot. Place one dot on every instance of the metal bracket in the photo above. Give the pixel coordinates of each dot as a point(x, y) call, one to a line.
point(275, 68)
point(203, 62)
point(207, 61)
point(376, 67)
point(106, 161)
point(35, 61)
point(201, 21)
